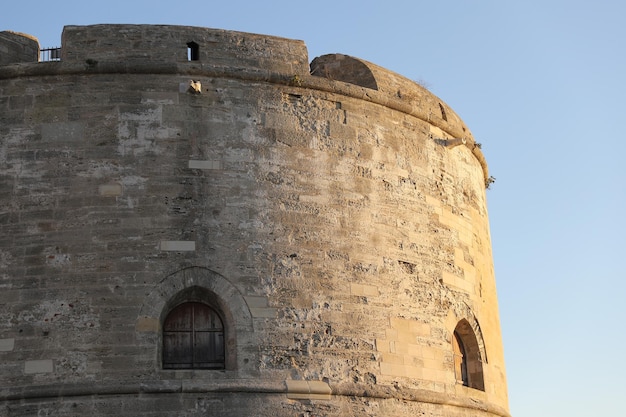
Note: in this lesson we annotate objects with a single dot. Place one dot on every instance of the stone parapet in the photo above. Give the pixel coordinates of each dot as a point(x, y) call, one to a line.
point(153, 43)
point(18, 48)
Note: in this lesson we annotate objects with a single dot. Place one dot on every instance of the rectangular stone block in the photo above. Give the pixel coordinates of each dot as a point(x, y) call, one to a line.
point(177, 245)
point(147, 324)
point(382, 345)
point(429, 352)
point(392, 369)
point(363, 290)
point(413, 372)
point(433, 374)
point(317, 390)
point(110, 190)
point(400, 323)
point(263, 312)
point(296, 388)
point(255, 301)
point(420, 329)
point(469, 273)
point(391, 334)
point(436, 364)
point(7, 345)
point(435, 204)
point(393, 358)
point(401, 346)
point(63, 132)
point(43, 366)
point(193, 164)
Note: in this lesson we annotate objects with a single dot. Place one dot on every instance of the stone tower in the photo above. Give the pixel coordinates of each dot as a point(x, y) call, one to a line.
point(197, 222)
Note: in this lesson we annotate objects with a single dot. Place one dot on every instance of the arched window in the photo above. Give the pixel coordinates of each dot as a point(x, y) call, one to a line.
point(468, 364)
point(193, 338)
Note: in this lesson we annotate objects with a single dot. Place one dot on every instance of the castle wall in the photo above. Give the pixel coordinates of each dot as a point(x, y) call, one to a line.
point(341, 240)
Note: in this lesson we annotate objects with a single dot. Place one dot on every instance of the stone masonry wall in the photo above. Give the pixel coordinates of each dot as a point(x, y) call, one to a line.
point(17, 47)
point(339, 235)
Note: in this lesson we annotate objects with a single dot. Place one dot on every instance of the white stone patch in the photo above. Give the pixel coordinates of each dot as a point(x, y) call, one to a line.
point(43, 366)
point(110, 190)
point(193, 164)
point(7, 345)
point(177, 245)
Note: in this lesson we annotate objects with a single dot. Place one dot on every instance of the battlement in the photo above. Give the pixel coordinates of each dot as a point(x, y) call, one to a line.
point(180, 44)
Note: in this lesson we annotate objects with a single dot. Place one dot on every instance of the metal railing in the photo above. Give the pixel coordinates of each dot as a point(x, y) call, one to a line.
point(49, 54)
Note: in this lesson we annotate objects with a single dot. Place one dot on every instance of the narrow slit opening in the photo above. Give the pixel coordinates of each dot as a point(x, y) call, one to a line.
point(193, 51)
point(443, 112)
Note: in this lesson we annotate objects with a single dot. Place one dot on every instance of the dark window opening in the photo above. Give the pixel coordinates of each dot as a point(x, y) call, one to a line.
point(193, 338)
point(468, 363)
point(193, 51)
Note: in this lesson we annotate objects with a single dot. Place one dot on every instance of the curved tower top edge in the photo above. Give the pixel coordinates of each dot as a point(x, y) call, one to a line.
point(18, 47)
point(199, 51)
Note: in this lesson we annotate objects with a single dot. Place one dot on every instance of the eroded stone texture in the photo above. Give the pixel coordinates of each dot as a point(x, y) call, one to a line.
point(323, 216)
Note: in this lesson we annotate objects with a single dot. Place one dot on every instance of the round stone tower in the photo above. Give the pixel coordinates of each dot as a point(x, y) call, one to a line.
point(197, 222)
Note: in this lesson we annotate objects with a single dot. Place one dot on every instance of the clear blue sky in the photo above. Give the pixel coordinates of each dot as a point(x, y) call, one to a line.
point(541, 83)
